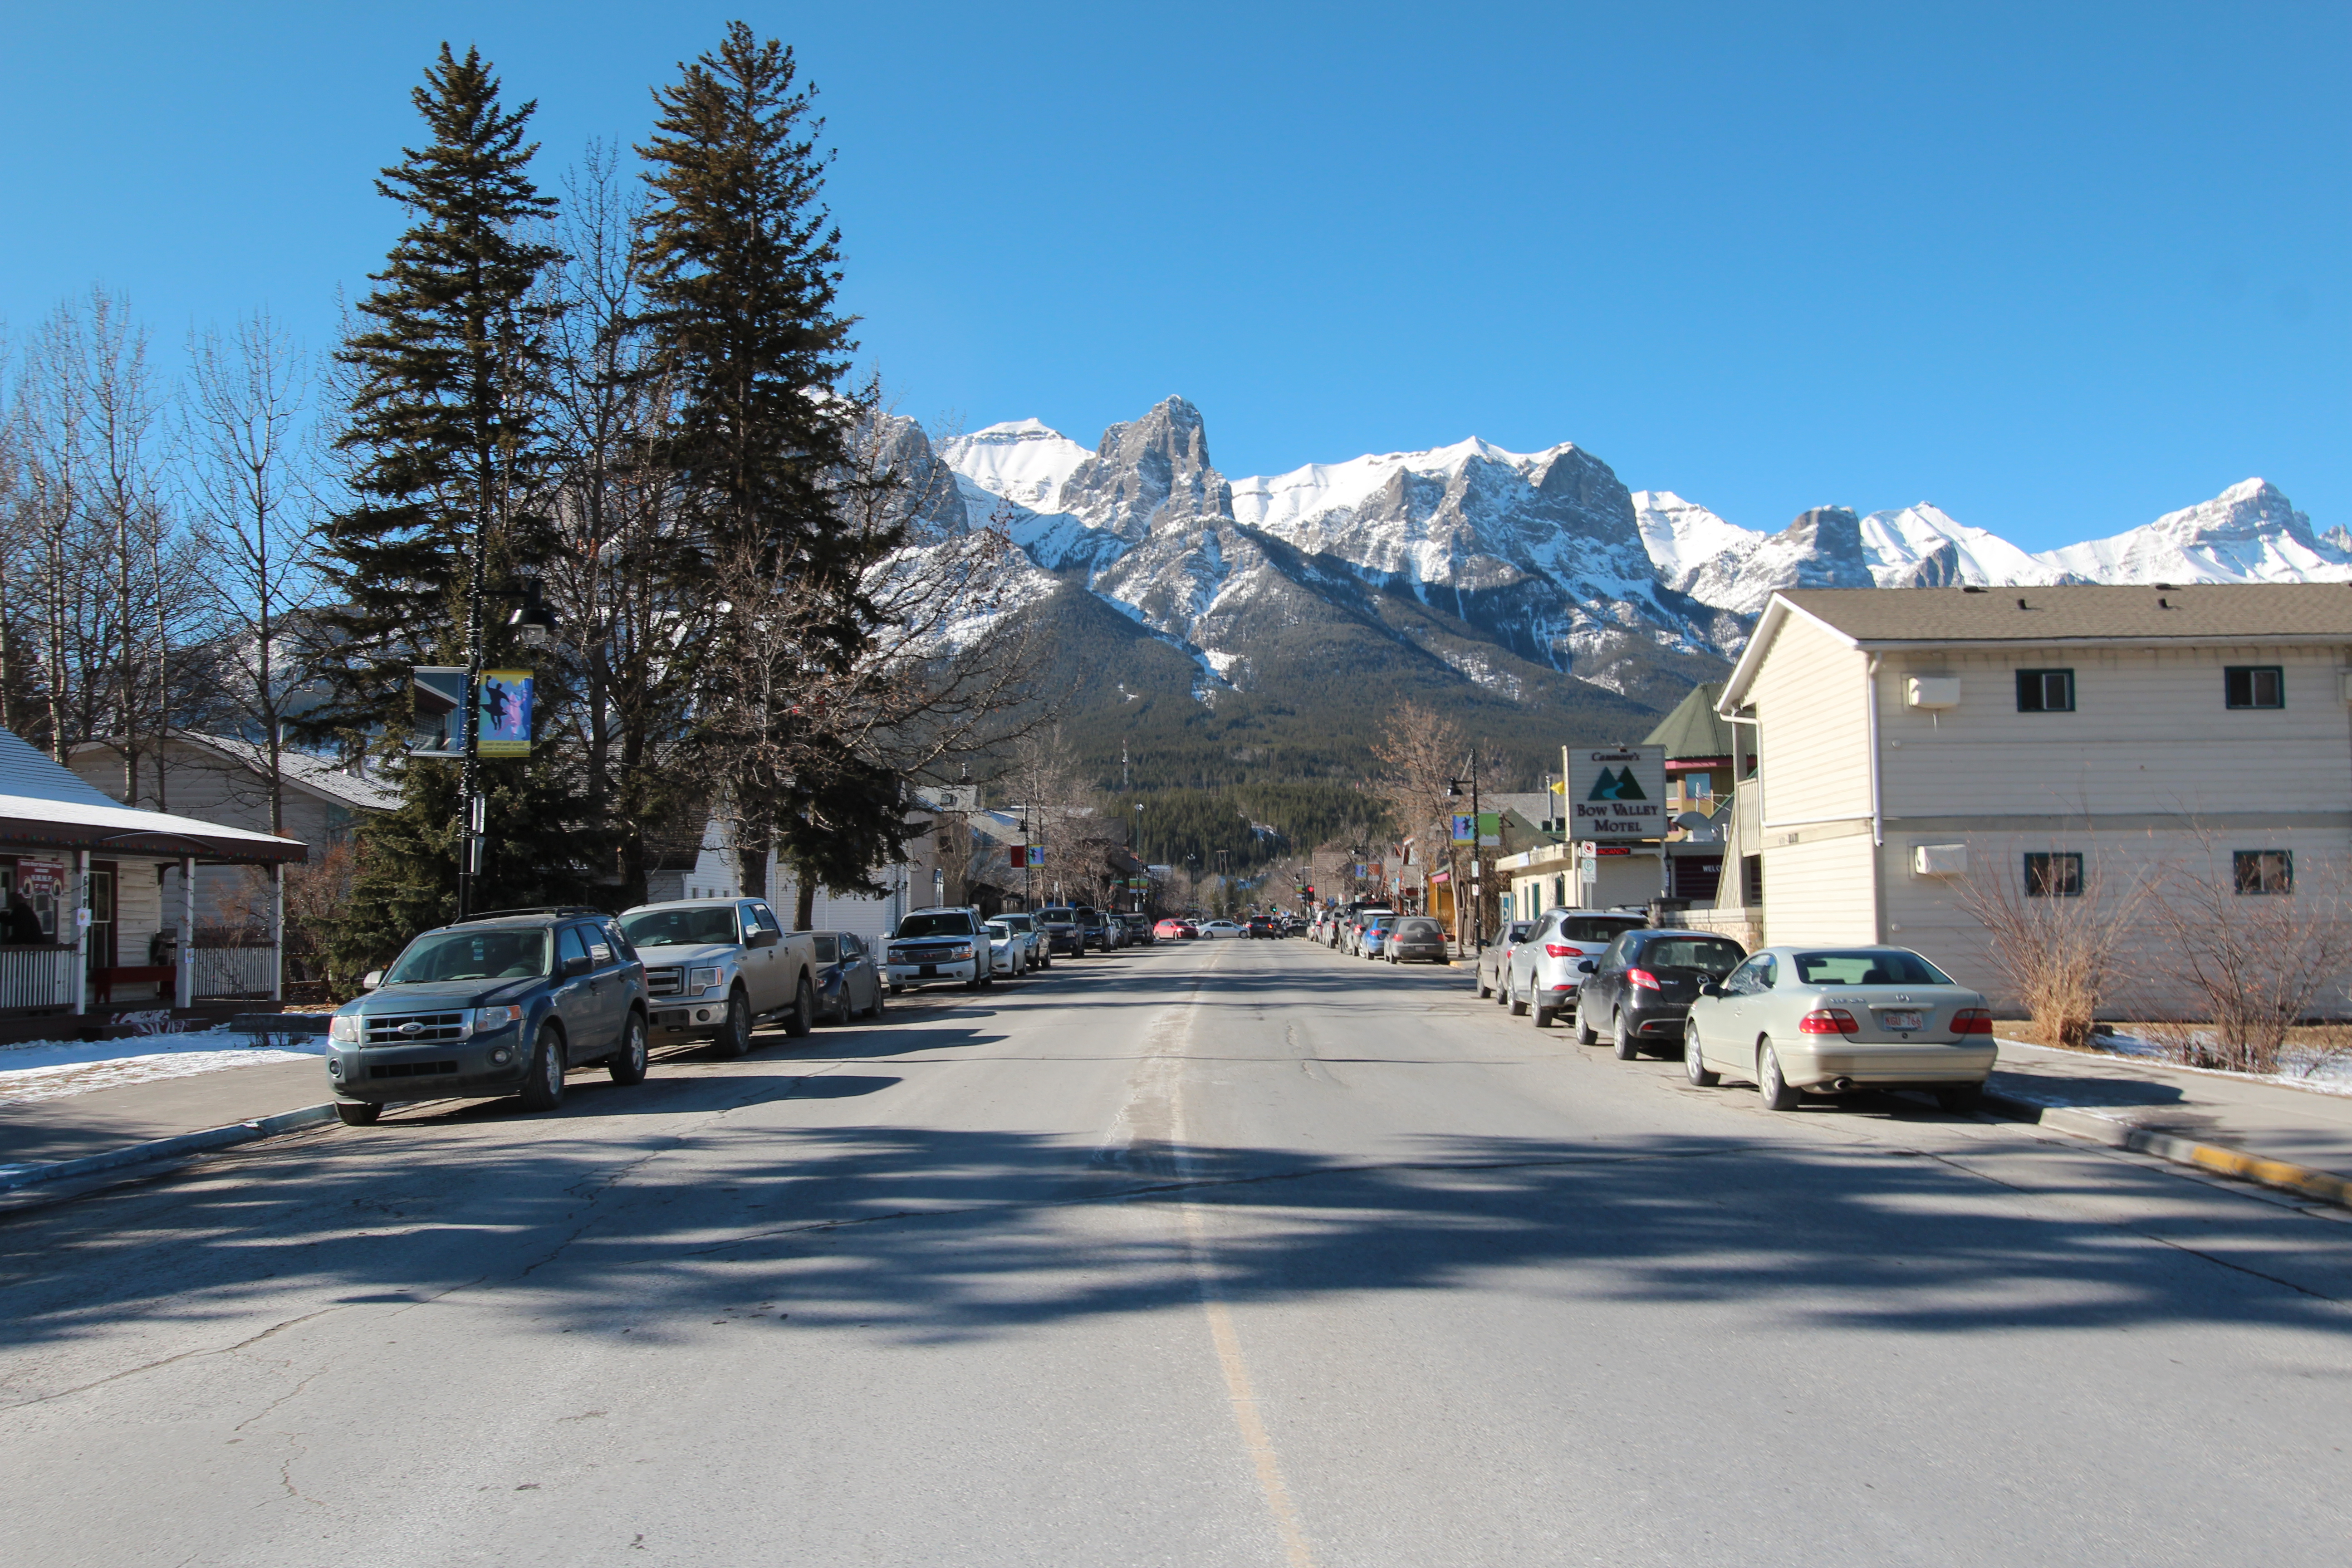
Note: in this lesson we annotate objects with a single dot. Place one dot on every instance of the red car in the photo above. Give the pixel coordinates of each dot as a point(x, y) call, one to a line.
point(1169, 930)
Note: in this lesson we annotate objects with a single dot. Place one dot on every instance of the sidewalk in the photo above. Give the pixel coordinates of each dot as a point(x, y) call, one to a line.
point(105, 1120)
point(2176, 1112)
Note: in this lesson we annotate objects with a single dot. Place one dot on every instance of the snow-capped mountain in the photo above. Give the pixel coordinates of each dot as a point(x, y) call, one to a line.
point(1531, 576)
point(2248, 533)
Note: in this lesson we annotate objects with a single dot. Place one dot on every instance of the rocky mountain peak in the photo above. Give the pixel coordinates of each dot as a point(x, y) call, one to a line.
point(1148, 472)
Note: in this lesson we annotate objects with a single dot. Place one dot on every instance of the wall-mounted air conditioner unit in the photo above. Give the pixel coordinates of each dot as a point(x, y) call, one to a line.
point(1932, 692)
point(1940, 859)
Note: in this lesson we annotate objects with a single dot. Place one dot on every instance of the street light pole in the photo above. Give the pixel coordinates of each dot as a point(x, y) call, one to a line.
point(1477, 875)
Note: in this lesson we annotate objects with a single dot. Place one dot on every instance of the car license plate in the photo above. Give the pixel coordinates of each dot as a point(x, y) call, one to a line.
point(1893, 1019)
point(929, 970)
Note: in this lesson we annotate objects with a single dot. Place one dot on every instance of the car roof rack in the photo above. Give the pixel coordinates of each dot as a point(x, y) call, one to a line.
point(577, 911)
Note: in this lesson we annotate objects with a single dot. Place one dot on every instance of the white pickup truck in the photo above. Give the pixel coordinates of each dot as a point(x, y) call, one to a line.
point(716, 966)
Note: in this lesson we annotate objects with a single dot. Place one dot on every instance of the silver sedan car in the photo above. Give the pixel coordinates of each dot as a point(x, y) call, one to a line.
point(1830, 1019)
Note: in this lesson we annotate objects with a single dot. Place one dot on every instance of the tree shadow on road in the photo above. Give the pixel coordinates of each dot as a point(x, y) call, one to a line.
point(944, 1235)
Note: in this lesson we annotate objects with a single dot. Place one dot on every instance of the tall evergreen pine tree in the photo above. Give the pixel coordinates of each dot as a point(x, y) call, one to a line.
point(447, 370)
point(742, 267)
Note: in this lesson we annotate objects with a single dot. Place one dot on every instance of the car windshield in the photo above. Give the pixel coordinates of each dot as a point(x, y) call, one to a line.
point(999, 931)
point(1058, 916)
point(1868, 966)
point(955, 923)
point(1710, 956)
point(1596, 927)
point(471, 956)
point(1013, 922)
point(681, 928)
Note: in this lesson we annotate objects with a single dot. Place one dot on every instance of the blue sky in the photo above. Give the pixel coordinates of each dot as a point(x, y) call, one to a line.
point(2056, 269)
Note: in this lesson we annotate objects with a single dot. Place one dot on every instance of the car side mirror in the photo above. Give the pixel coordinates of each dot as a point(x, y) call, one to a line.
point(1712, 989)
point(1586, 966)
point(371, 978)
point(762, 937)
point(577, 964)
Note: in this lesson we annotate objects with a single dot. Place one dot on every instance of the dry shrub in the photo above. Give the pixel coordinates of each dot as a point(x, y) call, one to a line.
point(2257, 961)
point(2057, 954)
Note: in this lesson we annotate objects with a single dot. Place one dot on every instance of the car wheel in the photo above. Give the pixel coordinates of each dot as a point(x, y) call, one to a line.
point(358, 1112)
point(1621, 1038)
point(735, 1039)
point(1543, 1016)
point(1479, 981)
point(1959, 1099)
point(1694, 1063)
point(543, 1089)
point(803, 1017)
point(627, 1065)
point(1584, 1035)
point(1778, 1094)
point(1519, 1008)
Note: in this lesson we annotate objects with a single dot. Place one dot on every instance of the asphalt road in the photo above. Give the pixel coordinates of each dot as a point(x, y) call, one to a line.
point(1223, 1254)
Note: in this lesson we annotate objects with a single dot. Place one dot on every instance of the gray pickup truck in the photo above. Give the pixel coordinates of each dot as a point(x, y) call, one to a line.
point(716, 966)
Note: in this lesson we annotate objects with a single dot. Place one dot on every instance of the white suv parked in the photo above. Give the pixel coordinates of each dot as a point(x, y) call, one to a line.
point(1544, 977)
point(950, 943)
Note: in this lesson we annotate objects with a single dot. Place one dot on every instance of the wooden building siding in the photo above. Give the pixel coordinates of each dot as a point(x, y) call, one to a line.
point(1813, 728)
point(1819, 889)
point(2150, 735)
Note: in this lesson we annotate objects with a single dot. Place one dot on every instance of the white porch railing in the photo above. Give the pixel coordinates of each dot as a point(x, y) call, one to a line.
point(233, 971)
point(37, 976)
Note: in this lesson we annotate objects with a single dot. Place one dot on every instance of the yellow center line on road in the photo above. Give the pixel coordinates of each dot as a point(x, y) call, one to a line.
point(1239, 1390)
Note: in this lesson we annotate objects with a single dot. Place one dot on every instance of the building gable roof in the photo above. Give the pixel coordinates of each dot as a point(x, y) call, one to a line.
point(1694, 728)
point(46, 805)
point(33, 775)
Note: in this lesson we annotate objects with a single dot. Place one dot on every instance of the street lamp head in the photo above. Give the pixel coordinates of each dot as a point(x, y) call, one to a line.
point(1454, 788)
point(532, 623)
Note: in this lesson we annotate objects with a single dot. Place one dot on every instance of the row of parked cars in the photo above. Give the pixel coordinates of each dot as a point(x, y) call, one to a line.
point(508, 1001)
point(1791, 1020)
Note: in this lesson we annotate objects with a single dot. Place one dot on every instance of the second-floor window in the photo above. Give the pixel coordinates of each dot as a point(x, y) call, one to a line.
point(2045, 691)
point(2053, 875)
point(2254, 685)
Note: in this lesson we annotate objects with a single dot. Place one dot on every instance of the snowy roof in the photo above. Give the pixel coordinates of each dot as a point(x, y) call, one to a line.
point(316, 776)
point(44, 805)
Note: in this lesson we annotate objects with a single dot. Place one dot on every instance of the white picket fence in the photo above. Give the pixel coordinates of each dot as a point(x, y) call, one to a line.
point(233, 971)
point(36, 977)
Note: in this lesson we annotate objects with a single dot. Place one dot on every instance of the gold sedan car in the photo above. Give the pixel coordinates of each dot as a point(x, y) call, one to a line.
point(1828, 1019)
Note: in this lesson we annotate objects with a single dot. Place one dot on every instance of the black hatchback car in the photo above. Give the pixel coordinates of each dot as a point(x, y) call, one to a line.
point(504, 1003)
point(1645, 982)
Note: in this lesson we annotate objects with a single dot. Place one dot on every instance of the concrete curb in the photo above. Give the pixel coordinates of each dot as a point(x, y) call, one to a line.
point(169, 1148)
point(2118, 1133)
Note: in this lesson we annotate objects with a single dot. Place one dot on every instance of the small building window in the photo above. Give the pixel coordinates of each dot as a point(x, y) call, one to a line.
point(2254, 685)
point(2053, 875)
point(1751, 880)
point(2263, 870)
point(2045, 691)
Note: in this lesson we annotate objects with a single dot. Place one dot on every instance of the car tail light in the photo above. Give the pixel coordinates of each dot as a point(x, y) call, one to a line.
point(1826, 1021)
point(1973, 1021)
point(1563, 950)
point(1641, 978)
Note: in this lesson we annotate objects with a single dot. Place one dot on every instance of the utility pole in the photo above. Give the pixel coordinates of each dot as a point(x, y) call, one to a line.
point(1477, 861)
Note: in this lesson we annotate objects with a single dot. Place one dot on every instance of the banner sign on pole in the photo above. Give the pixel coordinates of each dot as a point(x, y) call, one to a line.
point(439, 693)
point(1462, 831)
point(505, 726)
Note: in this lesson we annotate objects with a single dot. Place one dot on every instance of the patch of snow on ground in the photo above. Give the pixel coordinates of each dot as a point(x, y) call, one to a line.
point(52, 1070)
point(2300, 1067)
